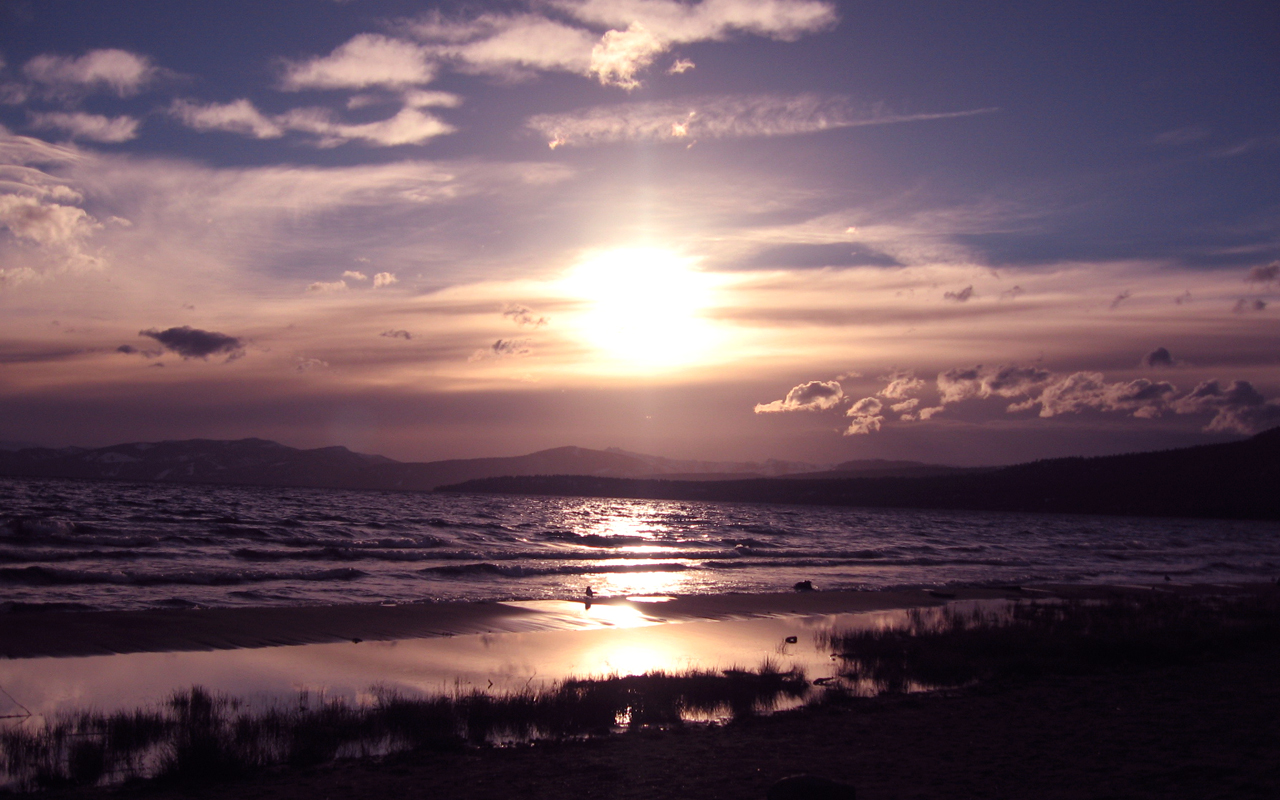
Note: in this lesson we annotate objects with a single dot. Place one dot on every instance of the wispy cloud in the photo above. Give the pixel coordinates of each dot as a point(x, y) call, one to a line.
point(94, 127)
point(118, 71)
point(722, 117)
point(408, 126)
point(368, 59)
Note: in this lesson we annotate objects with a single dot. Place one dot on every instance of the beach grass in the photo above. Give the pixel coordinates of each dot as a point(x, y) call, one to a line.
point(197, 736)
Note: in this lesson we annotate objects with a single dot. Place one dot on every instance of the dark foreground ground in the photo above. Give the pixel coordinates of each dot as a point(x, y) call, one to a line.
point(1192, 731)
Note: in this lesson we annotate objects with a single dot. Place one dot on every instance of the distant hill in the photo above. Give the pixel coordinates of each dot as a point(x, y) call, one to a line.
point(1236, 480)
point(264, 463)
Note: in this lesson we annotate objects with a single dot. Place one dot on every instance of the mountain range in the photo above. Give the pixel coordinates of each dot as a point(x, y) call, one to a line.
point(260, 462)
point(1233, 480)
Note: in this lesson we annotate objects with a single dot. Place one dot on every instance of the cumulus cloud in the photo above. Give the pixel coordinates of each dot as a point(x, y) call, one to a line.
point(810, 396)
point(901, 385)
point(722, 117)
point(55, 231)
point(1239, 408)
point(961, 296)
point(397, 334)
point(1160, 357)
point(864, 417)
point(1246, 305)
point(119, 71)
point(368, 59)
point(1264, 274)
point(355, 275)
point(1084, 391)
point(191, 342)
point(94, 127)
point(981, 382)
point(384, 279)
point(523, 315)
point(619, 55)
point(680, 66)
point(407, 126)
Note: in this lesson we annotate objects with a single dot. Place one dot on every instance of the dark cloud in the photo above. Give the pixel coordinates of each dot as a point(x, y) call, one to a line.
point(397, 335)
point(190, 342)
point(1013, 293)
point(1160, 357)
point(810, 396)
point(1245, 305)
point(1239, 408)
point(1260, 274)
point(523, 315)
point(1090, 391)
point(961, 296)
point(813, 256)
point(1120, 298)
point(130, 350)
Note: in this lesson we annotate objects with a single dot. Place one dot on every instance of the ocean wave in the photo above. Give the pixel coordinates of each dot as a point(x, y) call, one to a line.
point(52, 576)
point(518, 571)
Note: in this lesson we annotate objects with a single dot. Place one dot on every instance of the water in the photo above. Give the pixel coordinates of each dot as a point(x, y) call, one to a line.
point(86, 545)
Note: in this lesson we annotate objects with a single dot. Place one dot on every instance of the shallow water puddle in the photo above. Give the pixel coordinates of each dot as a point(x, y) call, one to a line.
point(603, 640)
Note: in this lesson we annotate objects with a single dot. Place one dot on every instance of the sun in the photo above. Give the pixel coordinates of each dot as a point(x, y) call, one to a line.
point(642, 306)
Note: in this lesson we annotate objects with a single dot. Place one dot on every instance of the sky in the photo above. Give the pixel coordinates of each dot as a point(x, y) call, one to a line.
point(727, 229)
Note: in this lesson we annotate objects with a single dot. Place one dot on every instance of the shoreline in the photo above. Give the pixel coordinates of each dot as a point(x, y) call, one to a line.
point(28, 634)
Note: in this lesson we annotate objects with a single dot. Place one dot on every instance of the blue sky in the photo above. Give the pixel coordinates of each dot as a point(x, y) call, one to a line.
point(719, 229)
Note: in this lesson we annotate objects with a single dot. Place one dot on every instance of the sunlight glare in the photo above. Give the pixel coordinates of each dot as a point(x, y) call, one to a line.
point(643, 306)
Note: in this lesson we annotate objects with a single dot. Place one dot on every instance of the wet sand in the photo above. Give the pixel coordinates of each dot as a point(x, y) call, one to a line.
point(26, 634)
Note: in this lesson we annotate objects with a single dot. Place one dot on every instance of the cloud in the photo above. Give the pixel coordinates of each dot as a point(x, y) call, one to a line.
point(510, 46)
point(368, 59)
point(120, 71)
point(619, 55)
point(681, 22)
point(1160, 357)
point(191, 342)
point(397, 334)
point(408, 126)
point(1120, 298)
point(355, 276)
point(327, 286)
point(1012, 293)
point(717, 117)
point(304, 364)
point(1260, 274)
point(982, 382)
point(130, 350)
point(901, 385)
point(905, 405)
point(238, 116)
point(1239, 408)
point(503, 348)
point(811, 396)
point(1246, 305)
point(680, 66)
point(523, 315)
point(43, 223)
point(865, 416)
point(961, 296)
point(94, 127)
point(1084, 391)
